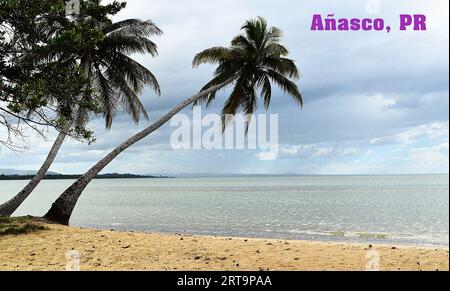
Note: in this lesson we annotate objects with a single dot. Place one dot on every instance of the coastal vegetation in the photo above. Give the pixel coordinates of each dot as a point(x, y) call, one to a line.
point(36, 95)
point(101, 49)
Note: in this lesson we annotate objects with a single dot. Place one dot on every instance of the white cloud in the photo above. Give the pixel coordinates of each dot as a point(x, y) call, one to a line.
point(351, 152)
point(430, 160)
point(316, 150)
point(427, 131)
point(433, 159)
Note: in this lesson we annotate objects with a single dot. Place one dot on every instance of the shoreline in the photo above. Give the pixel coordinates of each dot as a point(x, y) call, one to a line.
point(330, 241)
point(126, 250)
point(318, 241)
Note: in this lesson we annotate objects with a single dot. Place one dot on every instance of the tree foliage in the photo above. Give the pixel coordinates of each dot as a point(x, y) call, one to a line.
point(35, 94)
point(58, 69)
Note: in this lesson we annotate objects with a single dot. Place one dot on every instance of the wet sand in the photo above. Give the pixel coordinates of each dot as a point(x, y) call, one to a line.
point(113, 250)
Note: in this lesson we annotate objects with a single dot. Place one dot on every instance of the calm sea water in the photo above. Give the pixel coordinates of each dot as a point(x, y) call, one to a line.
point(388, 209)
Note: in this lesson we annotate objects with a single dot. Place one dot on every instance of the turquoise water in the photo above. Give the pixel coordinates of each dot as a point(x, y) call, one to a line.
point(379, 209)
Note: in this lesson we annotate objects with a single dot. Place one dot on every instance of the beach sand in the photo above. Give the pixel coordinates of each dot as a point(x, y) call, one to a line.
point(114, 250)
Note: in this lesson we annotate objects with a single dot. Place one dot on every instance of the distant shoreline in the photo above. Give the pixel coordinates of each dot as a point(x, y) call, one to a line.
point(56, 176)
point(74, 177)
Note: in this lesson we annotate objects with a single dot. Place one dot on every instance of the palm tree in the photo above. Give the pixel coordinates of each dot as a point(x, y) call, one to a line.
point(254, 60)
point(116, 79)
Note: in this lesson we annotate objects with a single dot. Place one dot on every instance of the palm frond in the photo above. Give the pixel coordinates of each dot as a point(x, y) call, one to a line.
point(213, 55)
point(266, 91)
point(128, 44)
point(249, 104)
point(134, 27)
point(275, 50)
point(256, 30)
point(127, 96)
point(242, 42)
point(286, 86)
point(136, 74)
point(108, 97)
point(284, 66)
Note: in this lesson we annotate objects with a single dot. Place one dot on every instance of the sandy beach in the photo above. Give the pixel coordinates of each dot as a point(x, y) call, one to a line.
point(114, 250)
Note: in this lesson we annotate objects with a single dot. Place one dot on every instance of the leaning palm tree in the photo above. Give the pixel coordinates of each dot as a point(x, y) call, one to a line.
point(254, 60)
point(115, 78)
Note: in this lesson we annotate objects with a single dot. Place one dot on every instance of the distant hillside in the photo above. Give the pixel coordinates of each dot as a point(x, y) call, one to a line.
point(74, 177)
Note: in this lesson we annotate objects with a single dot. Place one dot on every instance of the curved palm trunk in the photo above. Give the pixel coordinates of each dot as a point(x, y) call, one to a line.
point(8, 208)
point(62, 208)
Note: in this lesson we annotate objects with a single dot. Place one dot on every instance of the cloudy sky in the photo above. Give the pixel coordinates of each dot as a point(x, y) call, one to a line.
point(375, 103)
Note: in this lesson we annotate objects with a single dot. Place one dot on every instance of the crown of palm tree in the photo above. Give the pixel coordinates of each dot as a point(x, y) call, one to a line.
point(103, 52)
point(256, 59)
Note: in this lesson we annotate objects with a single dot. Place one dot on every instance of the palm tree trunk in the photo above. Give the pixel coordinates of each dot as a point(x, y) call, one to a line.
point(62, 208)
point(8, 208)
